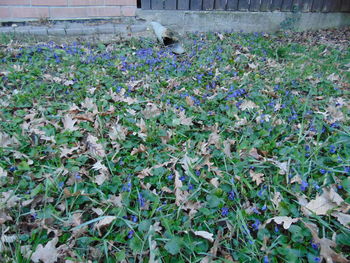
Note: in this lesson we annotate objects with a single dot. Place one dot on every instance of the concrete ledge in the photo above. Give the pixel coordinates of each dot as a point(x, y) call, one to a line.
point(202, 21)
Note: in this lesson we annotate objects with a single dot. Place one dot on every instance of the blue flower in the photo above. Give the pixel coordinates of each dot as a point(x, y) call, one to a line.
point(170, 177)
point(266, 259)
point(256, 224)
point(131, 234)
point(332, 149)
point(141, 200)
point(231, 195)
point(198, 172)
point(323, 171)
point(224, 211)
point(317, 259)
point(134, 218)
point(314, 245)
point(304, 185)
point(13, 168)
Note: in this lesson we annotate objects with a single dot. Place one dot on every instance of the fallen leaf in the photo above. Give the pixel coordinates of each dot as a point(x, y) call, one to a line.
point(118, 132)
point(106, 221)
point(285, 220)
point(227, 147)
point(94, 147)
point(47, 254)
point(343, 219)
point(247, 105)
point(257, 177)
point(325, 244)
point(205, 234)
point(325, 202)
point(140, 149)
point(277, 198)
point(215, 182)
point(7, 141)
point(185, 120)
point(151, 110)
point(68, 123)
point(3, 173)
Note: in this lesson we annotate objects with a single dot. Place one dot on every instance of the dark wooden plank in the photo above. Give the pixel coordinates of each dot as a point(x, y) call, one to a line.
point(232, 5)
point(287, 5)
point(208, 4)
point(276, 5)
point(317, 5)
point(331, 6)
point(254, 5)
point(157, 4)
point(265, 5)
point(303, 5)
point(146, 4)
point(196, 4)
point(183, 4)
point(243, 5)
point(170, 4)
point(345, 6)
point(220, 4)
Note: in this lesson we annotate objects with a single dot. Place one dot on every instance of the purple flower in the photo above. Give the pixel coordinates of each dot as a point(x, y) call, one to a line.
point(314, 245)
point(304, 185)
point(198, 172)
point(231, 195)
point(224, 211)
point(131, 234)
point(323, 171)
point(134, 218)
point(332, 149)
point(13, 168)
point(266, 259)
point(170, 176)
point(264, 208)
point(141, 200)
point(256, 224)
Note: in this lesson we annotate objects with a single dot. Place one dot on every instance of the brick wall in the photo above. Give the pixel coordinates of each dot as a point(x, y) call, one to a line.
point(14, 10)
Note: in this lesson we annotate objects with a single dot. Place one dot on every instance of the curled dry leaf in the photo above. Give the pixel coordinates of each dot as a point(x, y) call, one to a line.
point(325, 202)
point(94, 147)
point(257, 177)
point(343, 219)
point(151, 110)
point(285, 220)
point(326, 252)
point(205, 234)
point(118, 132)
point(68, 123)
point(185, 120)
point(215, 182)
point(106, 221)
point(47, 254)
point(227, 147)
point(140, 149)
point(247, 105)
point(7, 141)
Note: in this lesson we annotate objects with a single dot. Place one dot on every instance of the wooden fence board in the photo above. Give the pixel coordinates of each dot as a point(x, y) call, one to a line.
point(317, 5)
point(183, 4)
point(331, 5)
point(265, 5)
point(208, 4)
point(243, 5)
point(196, 4)
point(287, 5)
point(276, 5)
point(170, 4)
point(220, 4)
point(345, 6)
point(254, 5)
point(146, 4)
point(232, 5)
point(157, 5)
point(305, 5)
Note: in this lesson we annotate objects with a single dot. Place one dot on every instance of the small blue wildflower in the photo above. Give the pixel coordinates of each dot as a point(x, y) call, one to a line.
point(264, 208)
point(335, 125)
point(304, 185)
point(323, 171)
point(266, 259)
point(276, 229)
point(224, 211)
point(183, 178)
point(170, 177)
point(60, 184)
point(198, 172)
point(347, 169)
point(261, 192)
point(131, 234)
point(13, 168)
point(256, 211)
point(134, 218)
point(340, 187)
point(314, 245)
point(316, 186)
point(251, 242)
point(317, 259)
point(231, 195)
point(190, 186)
point(256, 224)
point(141, 200)
point(332, 149)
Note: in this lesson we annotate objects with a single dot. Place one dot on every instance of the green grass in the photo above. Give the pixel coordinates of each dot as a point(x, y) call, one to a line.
point(169, 145)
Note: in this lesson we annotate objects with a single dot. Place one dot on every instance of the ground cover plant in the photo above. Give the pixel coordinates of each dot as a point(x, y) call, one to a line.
point(237, 151)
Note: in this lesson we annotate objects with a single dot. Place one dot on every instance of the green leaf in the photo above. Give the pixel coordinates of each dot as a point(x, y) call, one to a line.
point(173, 246)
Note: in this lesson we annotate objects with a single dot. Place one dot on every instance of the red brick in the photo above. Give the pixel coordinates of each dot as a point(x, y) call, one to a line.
point(128, 10)
point(14, 2)
point(68, 12)
point(103, 11)
point(29, 12)
point(5, 12)
point(121, 2)
point(49, 2)
point(86, 2)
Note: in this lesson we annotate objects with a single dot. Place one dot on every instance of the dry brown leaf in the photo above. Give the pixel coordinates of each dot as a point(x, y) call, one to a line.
point(215, 182)
point(285, 220)
point(325, 244)
point(68, 123)
point(247, 105)
point(343, 219)
point(151, 110)
point(205, 234)
point(140, 149)
point(9, 199)
point(7, 141)
point(65, 151)
point(116, 200)
point(184, 120)
point(214, 138)
point(106, 221)
point(277, 198)
point(47, 254)
point(189, 101)
point(227, 147)
point(144, 173)
point(257, 177)
point(95, 148)
point(325, 202)
point(118, 132)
